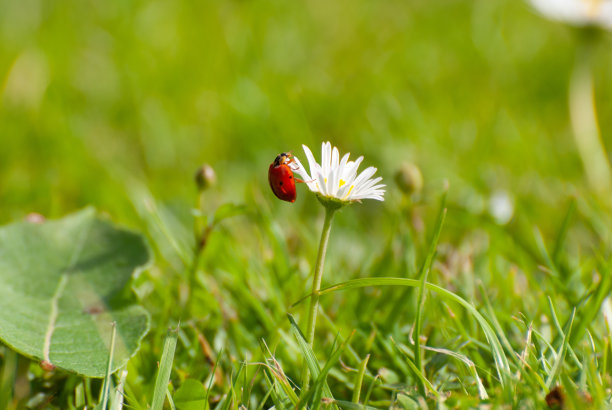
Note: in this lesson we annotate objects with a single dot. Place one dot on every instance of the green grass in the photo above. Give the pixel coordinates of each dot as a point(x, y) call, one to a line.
point(116, 104)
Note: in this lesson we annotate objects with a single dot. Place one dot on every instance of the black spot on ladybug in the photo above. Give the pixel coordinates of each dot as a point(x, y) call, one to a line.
point(290, 176)
point(280, 183)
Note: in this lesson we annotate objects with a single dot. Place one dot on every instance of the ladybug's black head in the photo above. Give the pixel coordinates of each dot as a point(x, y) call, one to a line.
point(282, 158)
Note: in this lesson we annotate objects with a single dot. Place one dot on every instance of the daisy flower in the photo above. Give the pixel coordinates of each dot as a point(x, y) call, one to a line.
point(335, 179)
point(577, 12)
point(336, 183)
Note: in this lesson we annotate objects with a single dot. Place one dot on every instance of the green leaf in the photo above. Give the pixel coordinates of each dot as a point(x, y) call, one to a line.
point(190, 396)
point(63, 285)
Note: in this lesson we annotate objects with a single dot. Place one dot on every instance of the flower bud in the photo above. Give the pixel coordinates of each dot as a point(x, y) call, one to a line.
point(409, 178)
point(205, 177)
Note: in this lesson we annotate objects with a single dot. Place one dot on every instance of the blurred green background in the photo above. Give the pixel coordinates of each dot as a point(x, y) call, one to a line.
point(97, 97)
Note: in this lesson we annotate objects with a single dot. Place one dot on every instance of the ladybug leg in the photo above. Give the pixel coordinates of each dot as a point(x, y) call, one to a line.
point(292, 163)
point(294, 166)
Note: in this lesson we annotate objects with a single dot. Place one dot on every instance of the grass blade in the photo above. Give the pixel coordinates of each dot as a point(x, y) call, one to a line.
point(482, 392)
point(358, 380)
point(117, 400)
point(557, 324)
point(370, 389)
point(7, 377)
point(421, 298)
point(560, 359)
point(165, 368)
point(104, 396)
point(273, 393)
point(279, 377)
point(563, 231)
point(420, 376)
point(319, 387)
point(590, 310)
point(231, 395)
point(348, 405)
point(169, 397)
point(212, 378)
point(309, 356)
point(501, 361)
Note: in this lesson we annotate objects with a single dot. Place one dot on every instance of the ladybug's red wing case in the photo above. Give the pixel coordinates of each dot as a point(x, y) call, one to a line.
point(282, 182)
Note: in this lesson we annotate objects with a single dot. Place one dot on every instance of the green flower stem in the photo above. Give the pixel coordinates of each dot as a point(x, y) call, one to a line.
point(583, 115)
point(316, 283)
point(201, 232)
point(193, 270)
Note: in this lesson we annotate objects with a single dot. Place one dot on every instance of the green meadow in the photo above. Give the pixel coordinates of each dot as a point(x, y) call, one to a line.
point(481, 280)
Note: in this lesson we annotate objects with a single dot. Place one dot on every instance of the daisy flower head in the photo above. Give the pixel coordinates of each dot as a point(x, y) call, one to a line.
point(335, 180)
point(577, 12)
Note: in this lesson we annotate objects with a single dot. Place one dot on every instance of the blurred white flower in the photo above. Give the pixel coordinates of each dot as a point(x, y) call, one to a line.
point(577, 12)
point(501, 207)
point(607, 313)
point(336, 178)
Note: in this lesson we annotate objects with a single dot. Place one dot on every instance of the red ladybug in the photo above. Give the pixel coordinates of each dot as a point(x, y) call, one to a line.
point(280, 176)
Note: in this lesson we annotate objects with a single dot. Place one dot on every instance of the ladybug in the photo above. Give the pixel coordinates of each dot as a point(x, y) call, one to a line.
point(280, 176)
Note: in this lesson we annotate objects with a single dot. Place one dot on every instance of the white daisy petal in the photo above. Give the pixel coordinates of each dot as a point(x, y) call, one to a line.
point(331, 182)
point(336, 177)
point(367, 185)
point(310, 183)
point(325, 158)
point(322, 182)
point(341, 181)
point(577, 12)
point(378, 188)
point(351, 170)
point(311, 161)
point(363, 177)
point(335, 158)
point(343, 163)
